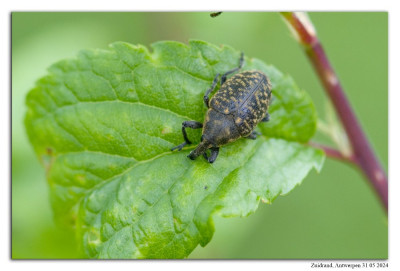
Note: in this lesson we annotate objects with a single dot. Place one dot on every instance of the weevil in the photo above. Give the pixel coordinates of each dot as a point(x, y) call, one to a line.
point(233, 112)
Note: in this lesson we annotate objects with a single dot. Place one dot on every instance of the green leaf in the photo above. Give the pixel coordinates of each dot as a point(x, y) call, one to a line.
point(103, 125)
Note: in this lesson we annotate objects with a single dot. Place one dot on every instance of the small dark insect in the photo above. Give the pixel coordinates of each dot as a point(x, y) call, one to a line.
point(215, 14)
point(234, 111)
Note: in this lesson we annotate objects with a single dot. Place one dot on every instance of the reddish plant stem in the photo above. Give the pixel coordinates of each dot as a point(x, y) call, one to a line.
point(334, 153)
point(362, 150)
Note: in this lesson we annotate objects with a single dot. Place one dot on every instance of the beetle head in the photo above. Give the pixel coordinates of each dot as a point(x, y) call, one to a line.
point(200, 149)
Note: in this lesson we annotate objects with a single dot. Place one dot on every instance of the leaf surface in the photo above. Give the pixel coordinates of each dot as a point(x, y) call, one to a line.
point(103, 125)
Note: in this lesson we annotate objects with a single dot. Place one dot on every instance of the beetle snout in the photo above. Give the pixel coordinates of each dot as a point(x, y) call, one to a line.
point(200, 149)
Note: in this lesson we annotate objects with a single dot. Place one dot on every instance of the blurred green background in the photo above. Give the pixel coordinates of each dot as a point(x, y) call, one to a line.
point(334, 214)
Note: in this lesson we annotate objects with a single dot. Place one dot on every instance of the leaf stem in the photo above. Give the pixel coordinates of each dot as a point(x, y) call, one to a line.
point(363, 154)
point(334, 153)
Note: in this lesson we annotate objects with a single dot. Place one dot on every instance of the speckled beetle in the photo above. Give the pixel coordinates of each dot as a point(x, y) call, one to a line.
point(234, 111)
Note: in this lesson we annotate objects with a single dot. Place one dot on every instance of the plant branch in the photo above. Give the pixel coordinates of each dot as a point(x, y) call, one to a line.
point(334, 153)
point(305, 33)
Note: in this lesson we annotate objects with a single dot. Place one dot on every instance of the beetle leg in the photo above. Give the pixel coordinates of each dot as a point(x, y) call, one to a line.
point(213, 155)
point(266, 118)
point(191, 124)
point(241, 62)
point(253, 135)
point(206, 97)
point(179, 147)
